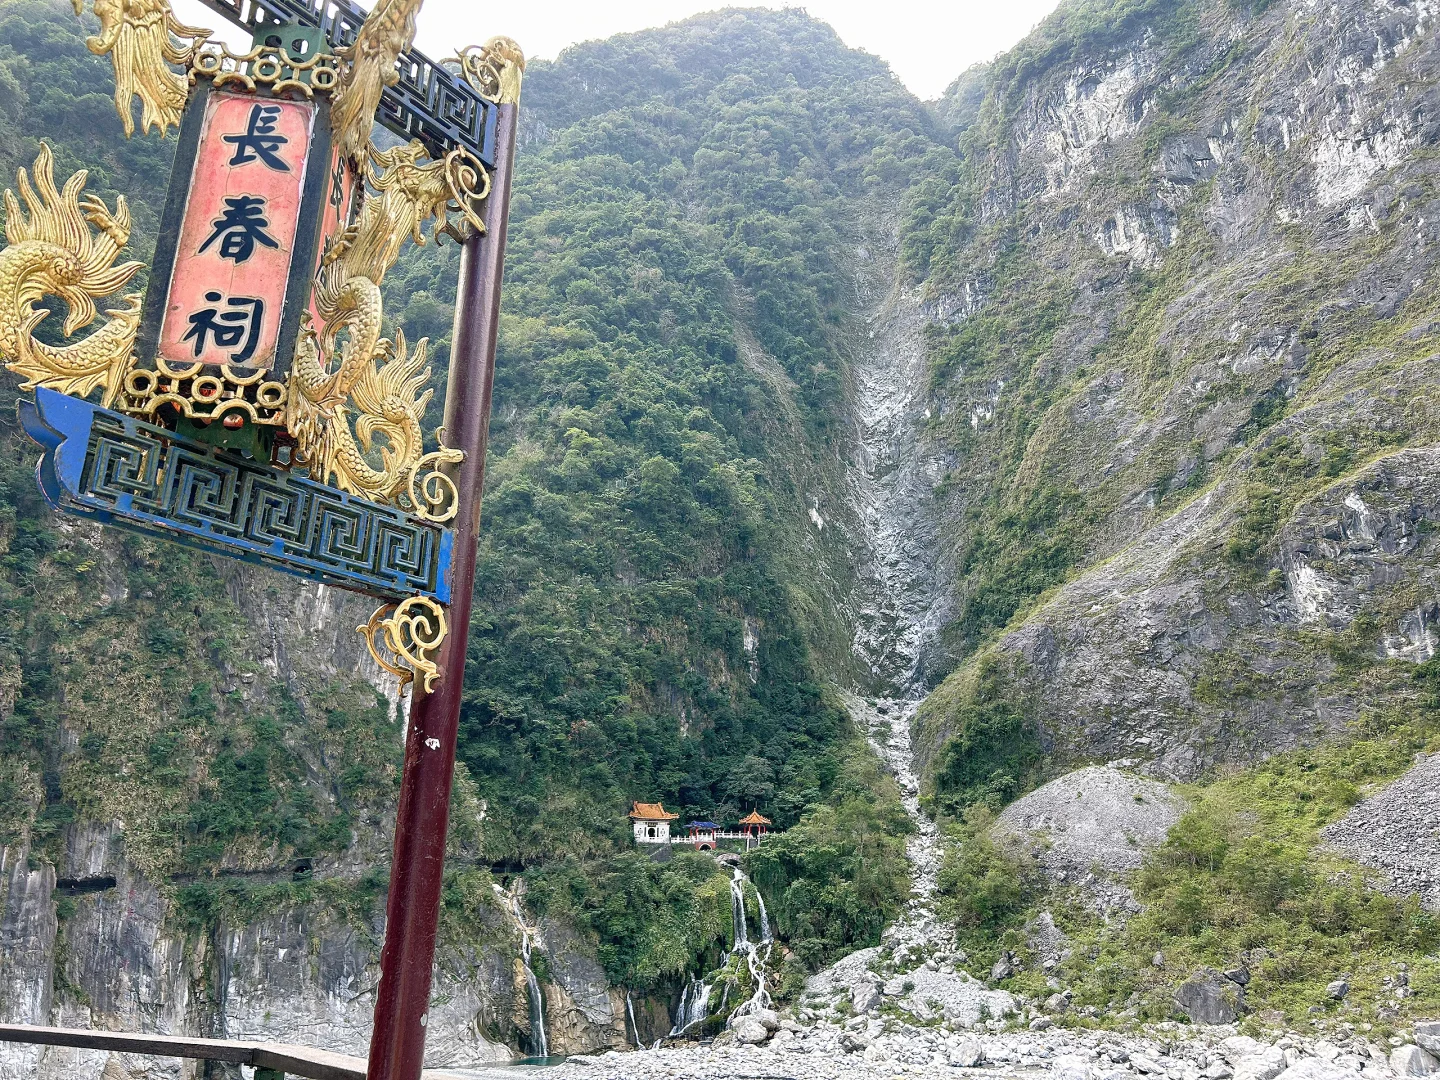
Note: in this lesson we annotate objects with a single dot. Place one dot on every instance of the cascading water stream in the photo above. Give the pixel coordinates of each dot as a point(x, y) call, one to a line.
point(630, 1014)
point(737, 909)
point(695, 1000)
point(539, 1043)
point(539, 1039)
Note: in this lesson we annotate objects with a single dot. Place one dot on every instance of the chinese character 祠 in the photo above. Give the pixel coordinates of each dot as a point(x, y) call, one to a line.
point(240, 228)
point(260, 140)
point(239, 324)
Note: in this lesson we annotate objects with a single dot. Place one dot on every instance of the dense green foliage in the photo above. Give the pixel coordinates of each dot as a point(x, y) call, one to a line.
point(995, 752)
point(986, 888)
point(840, 875)
point(637, 514)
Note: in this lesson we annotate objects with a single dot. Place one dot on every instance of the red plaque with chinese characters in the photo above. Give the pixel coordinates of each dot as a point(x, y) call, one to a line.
point(238, 235)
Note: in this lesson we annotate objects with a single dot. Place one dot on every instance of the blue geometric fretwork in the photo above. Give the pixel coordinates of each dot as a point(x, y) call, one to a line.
point(118, 470)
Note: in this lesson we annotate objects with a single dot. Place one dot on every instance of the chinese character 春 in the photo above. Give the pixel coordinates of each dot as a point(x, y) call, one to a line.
point(260, 140)
point(238, 325)
point(337, 183)
point(240, 228)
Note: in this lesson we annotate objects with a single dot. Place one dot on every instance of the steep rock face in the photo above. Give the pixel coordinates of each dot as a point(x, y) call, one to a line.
point(124, 959)
point(1236, 215)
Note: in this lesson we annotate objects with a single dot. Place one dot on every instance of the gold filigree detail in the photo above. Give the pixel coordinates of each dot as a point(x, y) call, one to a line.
point(377, 382)
point(144, 38)
point(204, 392)
point(494, 70)
point(402, 636)
point(266, 66)
point(66, 247)
point(430, 494)
point(369, 68)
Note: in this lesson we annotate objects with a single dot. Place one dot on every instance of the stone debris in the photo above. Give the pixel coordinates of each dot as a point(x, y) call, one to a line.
point(1091, 826)
point(868, 1048)
point(1397, 831)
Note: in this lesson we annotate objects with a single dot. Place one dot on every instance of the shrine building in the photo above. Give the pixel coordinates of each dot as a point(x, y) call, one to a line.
point(702, 835)
point(652, 823)
point(755, 825)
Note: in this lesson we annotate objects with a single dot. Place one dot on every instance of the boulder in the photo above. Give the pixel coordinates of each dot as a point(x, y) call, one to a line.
point(769, 1017)
point(967, 1053)
point(1265, 1065)
point(1209, 998)
point(864, 997)
point(1315, 1069)
point(1427, 1034)
point(750, 1030)
point(1238, 1046)
point(1071, 1067)
point(1413, 1060)
point(1337, 990)
point(854, 1041)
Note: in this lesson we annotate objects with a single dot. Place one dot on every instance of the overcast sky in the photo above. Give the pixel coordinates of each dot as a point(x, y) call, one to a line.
point(926, 42)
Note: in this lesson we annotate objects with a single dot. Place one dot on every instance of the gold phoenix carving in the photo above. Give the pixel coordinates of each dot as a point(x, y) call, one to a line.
point(65, 246)
point(402, 636)
point(143, 38)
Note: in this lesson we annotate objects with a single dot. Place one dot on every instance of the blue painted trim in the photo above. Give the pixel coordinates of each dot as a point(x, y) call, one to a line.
point(112, 468)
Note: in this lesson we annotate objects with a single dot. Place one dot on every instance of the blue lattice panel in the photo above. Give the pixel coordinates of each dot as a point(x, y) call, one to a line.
point(115, 469)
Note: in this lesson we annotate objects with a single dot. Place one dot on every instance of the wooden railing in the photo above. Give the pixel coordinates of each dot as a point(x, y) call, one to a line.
point(271, 1061)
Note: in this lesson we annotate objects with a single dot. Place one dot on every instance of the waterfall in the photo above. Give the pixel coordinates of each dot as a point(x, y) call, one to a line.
point(695, 1000)
point(538, 1043)
point(694, 1006)
point(630, 1012)
point(737, 908)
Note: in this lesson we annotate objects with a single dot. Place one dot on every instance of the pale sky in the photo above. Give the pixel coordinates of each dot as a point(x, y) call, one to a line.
point(926, 42)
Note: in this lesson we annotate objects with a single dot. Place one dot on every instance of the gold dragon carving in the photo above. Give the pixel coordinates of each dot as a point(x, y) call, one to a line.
point(378, 381)
point(143, 38)
point(65, 246)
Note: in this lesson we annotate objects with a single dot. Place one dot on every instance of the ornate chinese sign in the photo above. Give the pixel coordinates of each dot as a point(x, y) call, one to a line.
point(249, 402)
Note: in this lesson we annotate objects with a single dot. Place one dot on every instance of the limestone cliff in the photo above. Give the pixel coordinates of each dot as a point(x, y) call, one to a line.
point(1192, 410)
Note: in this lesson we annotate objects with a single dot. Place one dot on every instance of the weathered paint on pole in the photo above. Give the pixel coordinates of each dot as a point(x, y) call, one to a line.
point(402, 1000)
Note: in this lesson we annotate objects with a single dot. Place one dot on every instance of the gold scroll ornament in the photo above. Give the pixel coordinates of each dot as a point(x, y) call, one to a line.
point(401, 638)
point(493, 70)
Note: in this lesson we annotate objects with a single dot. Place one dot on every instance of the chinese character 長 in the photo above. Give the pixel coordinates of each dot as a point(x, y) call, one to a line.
point(260, 140)
point(240, 228)
point(239, 324)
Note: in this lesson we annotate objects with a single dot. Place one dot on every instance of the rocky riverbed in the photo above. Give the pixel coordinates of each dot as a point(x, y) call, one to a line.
point(865, 1048)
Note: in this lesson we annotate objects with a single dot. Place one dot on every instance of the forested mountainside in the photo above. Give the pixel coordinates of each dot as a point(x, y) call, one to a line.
point(1091, 405)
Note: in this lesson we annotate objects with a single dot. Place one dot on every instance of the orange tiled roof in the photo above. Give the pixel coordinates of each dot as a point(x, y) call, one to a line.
point(754, 818)
point(651, 811)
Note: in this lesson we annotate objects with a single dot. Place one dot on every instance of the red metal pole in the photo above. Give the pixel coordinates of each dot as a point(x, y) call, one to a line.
point(412, 912)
